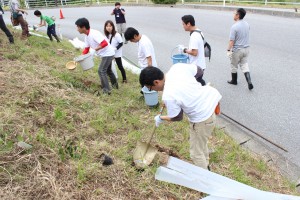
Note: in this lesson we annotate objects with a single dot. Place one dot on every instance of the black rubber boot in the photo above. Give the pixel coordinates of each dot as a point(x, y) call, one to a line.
point(11, 39)
point(248, 78)
point(233, 79)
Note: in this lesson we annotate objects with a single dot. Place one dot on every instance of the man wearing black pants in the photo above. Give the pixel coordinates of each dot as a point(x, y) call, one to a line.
point(4, 28)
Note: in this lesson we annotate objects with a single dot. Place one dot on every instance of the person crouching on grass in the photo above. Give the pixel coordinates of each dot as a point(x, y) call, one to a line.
point(51, 25)
point(95, 40)
point(183, 94)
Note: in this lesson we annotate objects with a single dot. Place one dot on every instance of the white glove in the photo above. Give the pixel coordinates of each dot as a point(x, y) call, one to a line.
point(229, 54)
point(115, 49)
point(180, 48)
point(158, 120)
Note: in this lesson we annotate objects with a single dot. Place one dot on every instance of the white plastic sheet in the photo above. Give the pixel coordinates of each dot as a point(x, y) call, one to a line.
point(219, 187)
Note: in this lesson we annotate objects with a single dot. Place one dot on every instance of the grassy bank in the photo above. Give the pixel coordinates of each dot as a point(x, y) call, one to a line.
point(57, 112)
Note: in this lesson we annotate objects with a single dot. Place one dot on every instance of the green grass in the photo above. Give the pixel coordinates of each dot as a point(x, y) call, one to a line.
point(55, 110)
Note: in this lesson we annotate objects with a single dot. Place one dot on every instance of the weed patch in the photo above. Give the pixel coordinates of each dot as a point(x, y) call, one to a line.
point(55, 110)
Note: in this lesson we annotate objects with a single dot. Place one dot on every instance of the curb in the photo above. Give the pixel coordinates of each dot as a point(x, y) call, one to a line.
point(255, 145)
point(273, 12)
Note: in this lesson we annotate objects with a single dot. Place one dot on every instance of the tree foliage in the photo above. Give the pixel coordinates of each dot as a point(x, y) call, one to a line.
point(164, 1)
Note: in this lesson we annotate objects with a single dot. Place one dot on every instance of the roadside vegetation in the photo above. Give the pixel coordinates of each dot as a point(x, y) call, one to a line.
point(68, 127)
point(289, 4)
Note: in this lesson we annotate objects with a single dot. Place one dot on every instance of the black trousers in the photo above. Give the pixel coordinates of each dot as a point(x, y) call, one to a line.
point(201, 80)
point(4, 28)
point(121, 68)
point(51, 31)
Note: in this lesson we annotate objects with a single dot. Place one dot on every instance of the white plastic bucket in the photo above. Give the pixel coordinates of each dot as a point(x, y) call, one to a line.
point(86, 61)
point(151, 97)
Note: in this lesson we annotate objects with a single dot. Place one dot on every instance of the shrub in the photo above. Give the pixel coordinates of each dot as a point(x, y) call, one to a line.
point(164, 1)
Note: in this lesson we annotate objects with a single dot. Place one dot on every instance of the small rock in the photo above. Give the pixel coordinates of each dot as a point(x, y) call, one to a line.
point(24, 145)
point(106, 160)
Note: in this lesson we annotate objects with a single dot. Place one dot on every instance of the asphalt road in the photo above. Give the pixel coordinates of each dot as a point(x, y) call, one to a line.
point(271, 108)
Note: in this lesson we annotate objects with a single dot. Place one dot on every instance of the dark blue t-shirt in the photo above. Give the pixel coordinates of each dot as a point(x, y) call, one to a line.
point(120, 18)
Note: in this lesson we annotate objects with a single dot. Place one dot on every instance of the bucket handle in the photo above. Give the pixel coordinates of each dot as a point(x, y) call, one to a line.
point(81, 57)
point(172, 52)
point(77, 59)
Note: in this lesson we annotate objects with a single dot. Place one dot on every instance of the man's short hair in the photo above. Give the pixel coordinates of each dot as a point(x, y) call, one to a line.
point(241, 12)
point(117, 4)
point(188, 19)
point(130, 33)
point(37, 13)
point(149, 75)
point(83, 22)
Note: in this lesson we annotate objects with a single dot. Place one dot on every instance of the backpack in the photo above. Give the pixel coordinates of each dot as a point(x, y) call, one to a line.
point(207, 47)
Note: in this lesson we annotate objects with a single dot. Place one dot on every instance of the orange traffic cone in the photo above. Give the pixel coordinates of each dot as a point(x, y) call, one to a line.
point(61, 16)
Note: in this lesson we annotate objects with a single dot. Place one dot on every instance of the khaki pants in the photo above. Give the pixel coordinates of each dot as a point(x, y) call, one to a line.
point(121, 28)
point(240, 58)
point(199, 135)
point(24, 26)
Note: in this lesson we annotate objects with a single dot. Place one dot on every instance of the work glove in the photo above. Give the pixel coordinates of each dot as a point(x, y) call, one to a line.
point(229, 54)
point(158, 120)
point(180, 48)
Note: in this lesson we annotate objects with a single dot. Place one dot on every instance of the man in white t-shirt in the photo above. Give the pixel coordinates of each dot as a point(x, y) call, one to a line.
point(95, 40)
point(146, 55)
point(195, 50)
point(183, 94)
